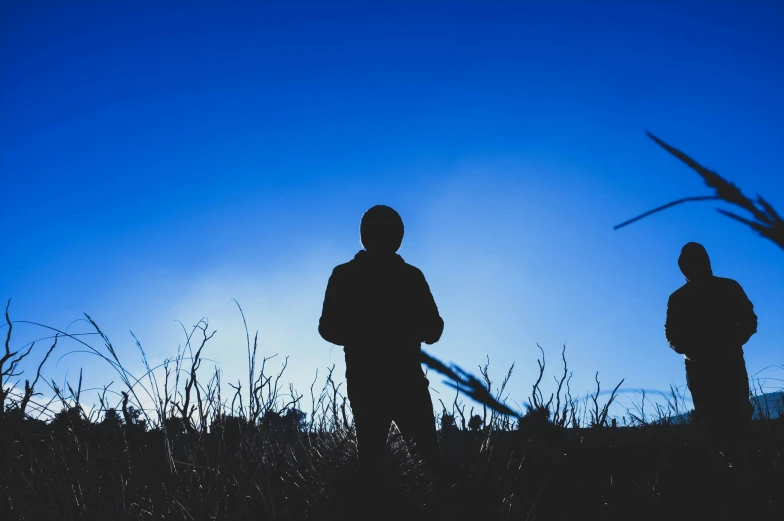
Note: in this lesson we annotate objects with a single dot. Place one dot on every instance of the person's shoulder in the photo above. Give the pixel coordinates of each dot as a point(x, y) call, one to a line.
point(343, 269)
point(345, 266)
point(729, 285)
point(725, 280)
point(680, 292)
point(412, 270)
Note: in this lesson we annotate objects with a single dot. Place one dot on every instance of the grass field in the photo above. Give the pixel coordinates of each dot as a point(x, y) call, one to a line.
point(200, 455)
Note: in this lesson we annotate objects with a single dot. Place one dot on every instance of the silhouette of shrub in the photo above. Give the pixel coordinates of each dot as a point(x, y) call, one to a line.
point(293, 421)
point(68, 419)
point(137, 423)
point(535, 419)
point(175, 426)
point(111, 420)
point(229, 427)
point(448, 422)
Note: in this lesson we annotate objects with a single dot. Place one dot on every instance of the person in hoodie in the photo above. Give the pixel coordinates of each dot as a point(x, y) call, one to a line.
point(709, 319)
point(380, 309)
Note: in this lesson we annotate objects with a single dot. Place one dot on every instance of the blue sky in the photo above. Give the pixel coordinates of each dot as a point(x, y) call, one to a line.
point(158, 161)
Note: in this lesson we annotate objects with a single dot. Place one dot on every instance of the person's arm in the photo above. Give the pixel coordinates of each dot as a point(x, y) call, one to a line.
point(747, 319)
point(675, 330)
point(332, 321)
point(432, 325)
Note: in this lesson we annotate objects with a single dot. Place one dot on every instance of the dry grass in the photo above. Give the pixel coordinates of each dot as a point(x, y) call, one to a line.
point(763, 218)
point(201, 455)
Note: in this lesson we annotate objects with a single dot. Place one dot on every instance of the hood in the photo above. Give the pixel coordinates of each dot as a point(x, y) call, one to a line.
point(695, 263)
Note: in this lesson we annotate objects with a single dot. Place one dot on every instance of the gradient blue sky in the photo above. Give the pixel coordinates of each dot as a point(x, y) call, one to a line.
point(158, 161)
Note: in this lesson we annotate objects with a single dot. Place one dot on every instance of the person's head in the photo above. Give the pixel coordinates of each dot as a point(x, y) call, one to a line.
point(381, 230)
point(694, 262)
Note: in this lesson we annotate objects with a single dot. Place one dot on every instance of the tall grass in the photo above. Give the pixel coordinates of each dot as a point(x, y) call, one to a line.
point(172, 444)
point(762, 217)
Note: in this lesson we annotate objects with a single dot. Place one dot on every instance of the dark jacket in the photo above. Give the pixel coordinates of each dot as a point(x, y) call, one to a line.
point(380, 309)
point(709, 320)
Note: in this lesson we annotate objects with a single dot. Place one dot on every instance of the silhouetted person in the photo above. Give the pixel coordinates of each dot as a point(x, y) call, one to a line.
point(708, 320)
point(380, 309)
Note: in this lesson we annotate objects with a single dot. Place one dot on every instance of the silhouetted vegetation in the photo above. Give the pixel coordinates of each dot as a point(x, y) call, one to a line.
point(194, 453)
point(764, 218)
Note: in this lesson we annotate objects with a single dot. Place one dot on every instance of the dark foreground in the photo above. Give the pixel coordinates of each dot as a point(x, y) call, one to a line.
point(79, 470)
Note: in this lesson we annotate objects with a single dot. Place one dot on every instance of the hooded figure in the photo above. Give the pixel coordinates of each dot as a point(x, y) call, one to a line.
point(708, 320)
point(380, 309)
